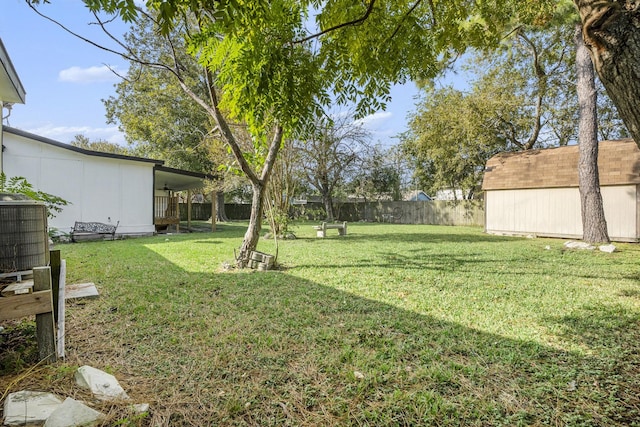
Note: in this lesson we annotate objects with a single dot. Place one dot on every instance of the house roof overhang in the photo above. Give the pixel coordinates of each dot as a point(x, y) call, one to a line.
point(79, 150)
point(167, 178)
point(11, 89)
point(164, 177)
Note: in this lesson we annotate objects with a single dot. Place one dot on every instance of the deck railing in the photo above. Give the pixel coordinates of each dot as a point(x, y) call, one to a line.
point(166, 208)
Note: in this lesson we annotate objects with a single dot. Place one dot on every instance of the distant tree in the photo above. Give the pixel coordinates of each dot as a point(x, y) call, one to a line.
point(330, 153)
point(283, 187)
point(160, 120)
point(82, 141)
point(377, 176)
point(449, 141)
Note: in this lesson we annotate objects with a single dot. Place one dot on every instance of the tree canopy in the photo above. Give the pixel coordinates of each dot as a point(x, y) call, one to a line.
point(523, 97)
point(279, 64)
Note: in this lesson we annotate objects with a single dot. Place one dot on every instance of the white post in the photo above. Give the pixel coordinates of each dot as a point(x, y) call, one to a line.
point(61, 309)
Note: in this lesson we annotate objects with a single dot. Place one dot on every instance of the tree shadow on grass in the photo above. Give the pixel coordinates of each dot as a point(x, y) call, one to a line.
point(611, 335)
point(273, 349)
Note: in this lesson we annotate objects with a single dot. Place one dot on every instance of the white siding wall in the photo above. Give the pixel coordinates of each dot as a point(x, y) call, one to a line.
point(556, 212)
point(100, 189)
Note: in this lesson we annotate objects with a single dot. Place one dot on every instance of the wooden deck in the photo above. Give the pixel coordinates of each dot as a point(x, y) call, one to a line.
point(166, 212)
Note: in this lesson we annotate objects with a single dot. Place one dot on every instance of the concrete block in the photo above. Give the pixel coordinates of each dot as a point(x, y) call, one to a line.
point(72, 414)
point(29, 407)
point(104, 386)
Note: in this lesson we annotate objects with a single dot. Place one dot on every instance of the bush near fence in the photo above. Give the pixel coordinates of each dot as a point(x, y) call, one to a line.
point(437, 212)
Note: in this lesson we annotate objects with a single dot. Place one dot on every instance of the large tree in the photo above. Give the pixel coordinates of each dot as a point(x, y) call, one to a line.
point(158, 118)
point(378, 175)
point(594, 224)
point(275, 75)
point(522, 99)
point(449, 140)
point(611, 32)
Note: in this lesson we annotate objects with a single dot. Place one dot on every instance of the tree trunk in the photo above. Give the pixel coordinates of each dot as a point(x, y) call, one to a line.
point(252, 235)
point(611, 31)
point(594, 224)
point(327, 200)
point(221, 213)
point(259, 187)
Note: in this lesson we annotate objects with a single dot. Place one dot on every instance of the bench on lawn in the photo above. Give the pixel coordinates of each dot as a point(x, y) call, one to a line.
point(93, 228)
point(322, 229)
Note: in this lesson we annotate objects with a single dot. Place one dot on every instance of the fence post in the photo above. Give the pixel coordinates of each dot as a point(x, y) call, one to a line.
point(45, 328)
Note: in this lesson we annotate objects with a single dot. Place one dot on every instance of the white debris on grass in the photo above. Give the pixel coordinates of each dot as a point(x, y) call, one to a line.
point(578, 245)
point(73, 413)
point(607, 248)
point(29, 407)
point(104, 386)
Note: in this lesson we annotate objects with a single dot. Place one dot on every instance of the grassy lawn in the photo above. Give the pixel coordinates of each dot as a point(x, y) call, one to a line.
point(390, 325)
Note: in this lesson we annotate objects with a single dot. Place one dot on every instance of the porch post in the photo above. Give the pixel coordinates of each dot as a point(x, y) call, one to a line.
point(189, 209)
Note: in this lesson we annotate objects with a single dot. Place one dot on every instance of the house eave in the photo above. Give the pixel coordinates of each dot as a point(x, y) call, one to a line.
point(69, 147)
point(11, 89)
point(167, 178)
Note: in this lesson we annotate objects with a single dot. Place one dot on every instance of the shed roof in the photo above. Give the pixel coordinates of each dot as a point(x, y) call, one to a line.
point(618, 164)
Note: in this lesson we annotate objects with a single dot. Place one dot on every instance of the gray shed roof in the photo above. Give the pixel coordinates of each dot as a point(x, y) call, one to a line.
point(618, 164)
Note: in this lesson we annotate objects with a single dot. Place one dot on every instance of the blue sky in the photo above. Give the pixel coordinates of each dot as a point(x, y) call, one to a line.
point(65, 78)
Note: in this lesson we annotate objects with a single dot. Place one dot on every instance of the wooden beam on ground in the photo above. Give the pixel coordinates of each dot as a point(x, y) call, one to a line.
point(18, 288)
point(45, 327)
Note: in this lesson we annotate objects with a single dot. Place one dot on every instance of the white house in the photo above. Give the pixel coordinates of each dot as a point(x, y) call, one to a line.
point(132, 192)
point(536, 192)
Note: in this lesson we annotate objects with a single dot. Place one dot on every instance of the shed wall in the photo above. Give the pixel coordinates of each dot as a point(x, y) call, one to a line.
point(556, 212)
point(99, 189)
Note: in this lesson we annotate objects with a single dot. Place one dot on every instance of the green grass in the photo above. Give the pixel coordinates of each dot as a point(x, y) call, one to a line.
point(390, 325)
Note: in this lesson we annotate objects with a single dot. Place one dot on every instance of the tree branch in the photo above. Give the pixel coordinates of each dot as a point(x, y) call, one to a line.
point(339, 26)
point(409, 12)
point(126, 56)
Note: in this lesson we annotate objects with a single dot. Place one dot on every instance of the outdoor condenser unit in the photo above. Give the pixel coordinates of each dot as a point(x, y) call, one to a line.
point(24, 242)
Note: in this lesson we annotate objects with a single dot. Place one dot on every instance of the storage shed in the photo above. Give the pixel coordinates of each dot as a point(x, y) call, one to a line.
point(536, 192)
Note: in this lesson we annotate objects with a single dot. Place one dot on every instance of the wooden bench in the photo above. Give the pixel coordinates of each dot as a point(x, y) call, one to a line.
point(93, 228)
point(322, 229)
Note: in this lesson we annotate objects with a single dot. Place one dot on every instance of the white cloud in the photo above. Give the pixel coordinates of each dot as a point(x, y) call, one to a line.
point(99, 74)
point(66, 134)
point(375, 119)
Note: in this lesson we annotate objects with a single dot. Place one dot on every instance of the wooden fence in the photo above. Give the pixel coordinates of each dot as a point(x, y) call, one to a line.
point(202, 211)
point(437, 212)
